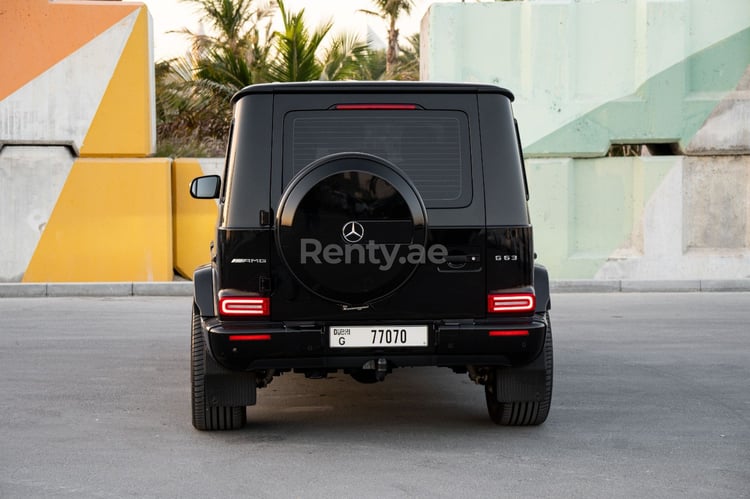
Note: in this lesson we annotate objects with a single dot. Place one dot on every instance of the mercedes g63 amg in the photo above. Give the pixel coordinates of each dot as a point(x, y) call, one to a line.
point(364, 227)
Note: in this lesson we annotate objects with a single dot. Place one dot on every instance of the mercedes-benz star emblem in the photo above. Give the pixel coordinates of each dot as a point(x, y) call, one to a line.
point(353, 232)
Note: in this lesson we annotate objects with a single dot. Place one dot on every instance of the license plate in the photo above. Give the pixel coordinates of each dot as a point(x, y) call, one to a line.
point(377, 336)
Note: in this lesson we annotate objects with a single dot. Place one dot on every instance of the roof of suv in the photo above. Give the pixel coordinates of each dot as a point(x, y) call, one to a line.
point(370, 86)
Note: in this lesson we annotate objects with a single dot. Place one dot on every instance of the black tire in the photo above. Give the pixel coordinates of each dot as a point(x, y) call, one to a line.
point(525, 413)
point(206, 417)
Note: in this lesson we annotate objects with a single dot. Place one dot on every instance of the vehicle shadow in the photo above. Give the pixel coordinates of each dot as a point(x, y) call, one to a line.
point(410, 404)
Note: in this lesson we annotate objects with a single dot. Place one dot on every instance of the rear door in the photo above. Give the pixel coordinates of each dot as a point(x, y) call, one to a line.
point(433, 139)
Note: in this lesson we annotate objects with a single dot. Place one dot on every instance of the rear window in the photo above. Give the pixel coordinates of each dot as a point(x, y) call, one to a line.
point(431, 147)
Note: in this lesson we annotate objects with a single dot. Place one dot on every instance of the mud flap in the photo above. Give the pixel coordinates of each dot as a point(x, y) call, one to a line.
point(521, 384)
point(228, 388)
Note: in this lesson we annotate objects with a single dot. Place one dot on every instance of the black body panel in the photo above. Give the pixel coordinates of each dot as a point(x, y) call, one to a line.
point(510, 258)
point(246, 189)
point(392, 88)
point(299, 346)
point(461, 285)
point(203, 285)
point(541, 288)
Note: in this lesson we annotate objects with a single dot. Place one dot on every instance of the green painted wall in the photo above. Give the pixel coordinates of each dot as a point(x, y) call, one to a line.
point(586, 211)
point(589, 73)
point(669, 107)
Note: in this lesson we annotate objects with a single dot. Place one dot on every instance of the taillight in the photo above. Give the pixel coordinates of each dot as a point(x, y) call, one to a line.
point(244, 306)
point(249, 337)
point(509, 332)
point(399, 107)
point(517, 302)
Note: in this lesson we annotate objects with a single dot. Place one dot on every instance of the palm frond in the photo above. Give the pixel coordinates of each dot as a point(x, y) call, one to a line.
point(343, 57)
point(296, 48)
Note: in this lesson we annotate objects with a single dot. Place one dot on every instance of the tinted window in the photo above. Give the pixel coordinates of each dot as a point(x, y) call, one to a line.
point(430, 146)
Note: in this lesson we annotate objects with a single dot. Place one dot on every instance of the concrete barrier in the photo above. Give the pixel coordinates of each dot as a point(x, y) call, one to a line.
point(78, 73)
point(31, 178)
point(111, 222)
point(77, 82)
point(194, 220)
point(665, 217)
point(591, 74)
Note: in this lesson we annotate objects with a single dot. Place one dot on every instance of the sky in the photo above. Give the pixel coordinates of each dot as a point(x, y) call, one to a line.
point(171, 15)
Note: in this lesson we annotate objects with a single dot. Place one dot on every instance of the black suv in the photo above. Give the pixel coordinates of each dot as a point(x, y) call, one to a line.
point(365, 226)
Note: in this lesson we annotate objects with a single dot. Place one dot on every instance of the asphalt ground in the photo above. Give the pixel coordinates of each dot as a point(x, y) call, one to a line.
point(651, 399)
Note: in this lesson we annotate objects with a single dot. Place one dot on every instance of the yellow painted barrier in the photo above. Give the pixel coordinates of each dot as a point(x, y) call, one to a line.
point(123, 123)
point(112, 222)
point(194, 219)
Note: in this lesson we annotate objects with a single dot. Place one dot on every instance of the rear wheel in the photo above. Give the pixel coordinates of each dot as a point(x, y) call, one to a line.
point(533, 410)
point(205, 416)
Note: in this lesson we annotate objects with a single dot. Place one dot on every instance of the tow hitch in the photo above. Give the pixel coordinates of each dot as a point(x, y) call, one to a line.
point(376, 370)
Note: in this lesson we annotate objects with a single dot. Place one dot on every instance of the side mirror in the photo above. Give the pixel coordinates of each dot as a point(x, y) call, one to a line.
point(207, 187)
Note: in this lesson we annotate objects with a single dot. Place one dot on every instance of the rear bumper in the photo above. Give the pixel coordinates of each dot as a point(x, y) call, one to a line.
point(306, 346)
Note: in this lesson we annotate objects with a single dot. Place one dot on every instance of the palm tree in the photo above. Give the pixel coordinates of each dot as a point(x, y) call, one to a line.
point(236, 55)
point(371, 65)
point(192, 92)
point(344, 58)
point(295, 48)
point(298, 51)
point(408, 60)
point(390, 11)
point(188, 120)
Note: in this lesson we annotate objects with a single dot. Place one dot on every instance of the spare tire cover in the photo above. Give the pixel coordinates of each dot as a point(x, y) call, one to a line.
point(348, 227)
